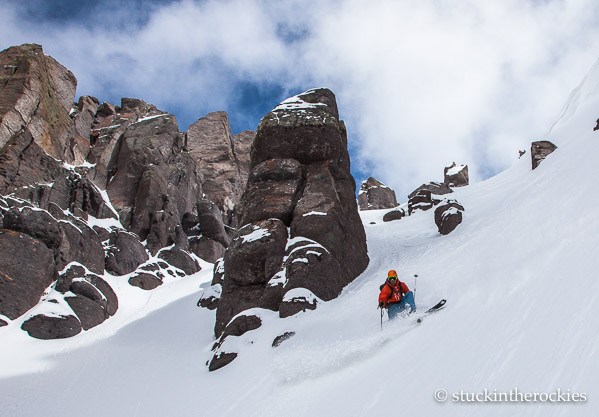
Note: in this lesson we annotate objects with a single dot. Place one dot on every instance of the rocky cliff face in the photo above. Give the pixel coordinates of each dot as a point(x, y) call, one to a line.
point(301, 238)
point(88, 188)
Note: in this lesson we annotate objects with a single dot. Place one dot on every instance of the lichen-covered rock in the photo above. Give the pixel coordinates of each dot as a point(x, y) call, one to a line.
point(539, 151)
point(374, 195)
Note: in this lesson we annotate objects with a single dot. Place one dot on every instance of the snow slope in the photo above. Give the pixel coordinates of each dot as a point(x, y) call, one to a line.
point(520, 276)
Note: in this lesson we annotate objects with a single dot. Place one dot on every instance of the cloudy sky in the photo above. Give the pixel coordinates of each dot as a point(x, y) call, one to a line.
point(420, 84)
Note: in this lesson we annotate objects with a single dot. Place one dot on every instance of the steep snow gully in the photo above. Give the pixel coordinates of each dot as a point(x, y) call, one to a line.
point(519, 335)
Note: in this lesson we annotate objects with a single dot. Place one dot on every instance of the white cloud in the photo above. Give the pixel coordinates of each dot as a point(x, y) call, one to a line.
point(419, 84)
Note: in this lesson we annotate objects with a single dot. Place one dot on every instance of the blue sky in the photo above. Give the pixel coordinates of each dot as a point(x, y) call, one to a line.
point(419, 84)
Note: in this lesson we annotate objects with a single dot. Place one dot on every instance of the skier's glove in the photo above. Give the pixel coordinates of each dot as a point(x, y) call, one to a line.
point(381, 305)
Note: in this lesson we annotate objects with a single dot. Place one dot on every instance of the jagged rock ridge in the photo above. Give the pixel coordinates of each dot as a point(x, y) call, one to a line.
point(88, 188)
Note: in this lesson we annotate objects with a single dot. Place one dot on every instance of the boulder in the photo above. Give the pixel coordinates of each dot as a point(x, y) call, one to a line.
point(80, 243)
point(448, 215)
point(539, 151)
point(435, 188)
point(374, 195)
point(296, 301)
point(422, 200)
point(76, 279)
point(241, 324)
point(180, 259)
point(394, 215)
point(89, 313)
point(210, 222)
point(124, 253)
point(145, 281)
point(206, 248)
point(37, 223)
point(47, 327)
point(251, 260)
point(456, 175)
point(27, 268)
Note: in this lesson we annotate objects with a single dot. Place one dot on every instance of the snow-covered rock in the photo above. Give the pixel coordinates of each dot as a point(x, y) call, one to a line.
point(456, 175)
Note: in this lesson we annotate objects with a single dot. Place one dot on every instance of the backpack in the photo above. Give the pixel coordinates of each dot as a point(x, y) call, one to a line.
point(392, 289)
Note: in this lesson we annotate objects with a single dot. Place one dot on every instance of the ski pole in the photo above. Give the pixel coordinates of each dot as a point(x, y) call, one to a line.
point(381, 319)
point(415, 278)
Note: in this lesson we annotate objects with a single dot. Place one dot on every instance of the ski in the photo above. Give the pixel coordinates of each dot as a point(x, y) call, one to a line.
point(431, 310)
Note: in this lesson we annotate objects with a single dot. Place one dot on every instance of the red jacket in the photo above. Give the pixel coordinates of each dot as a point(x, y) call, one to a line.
point(392, 294)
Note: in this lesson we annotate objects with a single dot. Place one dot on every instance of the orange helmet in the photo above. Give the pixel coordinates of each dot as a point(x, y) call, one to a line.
point(392, 273)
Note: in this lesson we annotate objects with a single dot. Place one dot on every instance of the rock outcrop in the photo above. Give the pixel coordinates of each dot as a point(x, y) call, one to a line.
point(36, 92)
point(456, 175)
point(301, 231)
point(374, 195)
point(90, 188)
point(210, 142)
point(539, 151)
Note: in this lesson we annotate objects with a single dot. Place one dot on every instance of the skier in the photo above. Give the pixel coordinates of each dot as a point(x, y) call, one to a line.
point(395, 296)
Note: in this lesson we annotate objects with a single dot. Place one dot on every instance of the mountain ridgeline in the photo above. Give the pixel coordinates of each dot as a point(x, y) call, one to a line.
point(91, 191)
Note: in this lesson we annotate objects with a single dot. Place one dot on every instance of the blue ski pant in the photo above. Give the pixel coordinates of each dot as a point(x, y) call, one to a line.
point(406, 302)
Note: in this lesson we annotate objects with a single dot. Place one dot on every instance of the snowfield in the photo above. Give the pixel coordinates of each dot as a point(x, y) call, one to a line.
point(519, 274)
